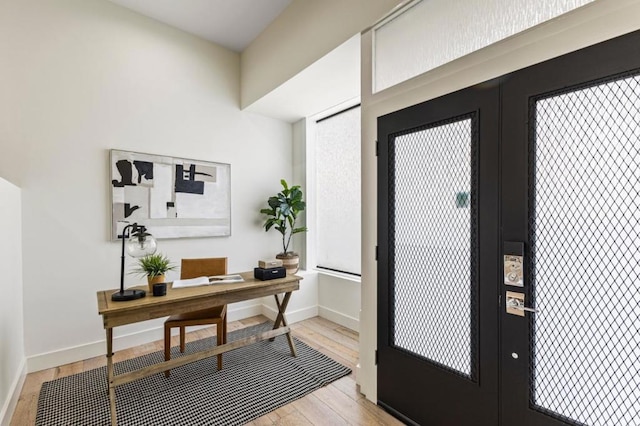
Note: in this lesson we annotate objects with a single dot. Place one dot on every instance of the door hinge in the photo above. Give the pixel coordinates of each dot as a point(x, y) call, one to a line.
point(376, 357)
point(376, 252)
point(377, 148)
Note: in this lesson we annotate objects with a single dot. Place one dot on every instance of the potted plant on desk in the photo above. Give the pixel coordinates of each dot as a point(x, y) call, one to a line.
point(154, 267)
point(283, 211)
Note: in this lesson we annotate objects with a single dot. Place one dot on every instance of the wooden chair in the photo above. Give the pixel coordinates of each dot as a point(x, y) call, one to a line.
point(193, 268)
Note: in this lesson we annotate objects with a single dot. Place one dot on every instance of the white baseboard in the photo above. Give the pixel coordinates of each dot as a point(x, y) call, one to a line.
point(339, 318)
point(90, 350)
point(98, 348)
point(244, 312)
point(292, 316)
point(9, 406)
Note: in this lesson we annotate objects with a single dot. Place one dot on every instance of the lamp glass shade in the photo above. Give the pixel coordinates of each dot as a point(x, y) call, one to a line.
point(140, 246)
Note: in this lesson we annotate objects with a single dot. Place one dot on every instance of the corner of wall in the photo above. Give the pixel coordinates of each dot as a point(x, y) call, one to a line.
point(9, 406)
point(300, 178)
point(339, 299)
point(303, 303)
point(367, 373)
point(12, 350)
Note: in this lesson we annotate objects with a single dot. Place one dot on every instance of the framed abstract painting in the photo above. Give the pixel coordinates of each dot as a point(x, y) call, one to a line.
point(172, 197)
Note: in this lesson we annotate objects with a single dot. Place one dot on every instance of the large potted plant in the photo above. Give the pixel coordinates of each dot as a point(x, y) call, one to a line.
point(154, 267)
point(282, 214)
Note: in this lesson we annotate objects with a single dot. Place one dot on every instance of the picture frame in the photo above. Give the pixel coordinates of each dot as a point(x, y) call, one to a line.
point(172, 197)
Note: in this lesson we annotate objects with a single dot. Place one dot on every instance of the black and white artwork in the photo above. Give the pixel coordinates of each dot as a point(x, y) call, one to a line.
point(172, 197)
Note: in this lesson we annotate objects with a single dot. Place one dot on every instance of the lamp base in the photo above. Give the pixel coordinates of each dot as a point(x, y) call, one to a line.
point(123, 295)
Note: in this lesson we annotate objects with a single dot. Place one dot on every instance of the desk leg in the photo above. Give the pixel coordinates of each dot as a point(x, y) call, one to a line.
point(280, 319)
point(112, 388)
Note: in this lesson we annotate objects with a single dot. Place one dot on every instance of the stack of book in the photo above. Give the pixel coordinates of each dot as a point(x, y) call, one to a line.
point(269, 269)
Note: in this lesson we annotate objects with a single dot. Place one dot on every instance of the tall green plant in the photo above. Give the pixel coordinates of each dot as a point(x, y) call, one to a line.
point(283, 211)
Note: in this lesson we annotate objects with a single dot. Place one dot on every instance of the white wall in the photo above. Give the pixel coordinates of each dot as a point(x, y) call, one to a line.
point(300, 164)
point(80, 77)
point(303, 33)
point(598, 21)
point(12, 355)
point(327, 82)
point(339, 299)
point(303, 303)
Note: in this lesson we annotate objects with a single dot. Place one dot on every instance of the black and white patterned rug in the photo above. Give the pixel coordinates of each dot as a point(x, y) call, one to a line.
point(255, 380)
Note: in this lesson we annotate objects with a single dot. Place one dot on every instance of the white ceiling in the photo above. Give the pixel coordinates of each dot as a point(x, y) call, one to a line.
point(233, 24)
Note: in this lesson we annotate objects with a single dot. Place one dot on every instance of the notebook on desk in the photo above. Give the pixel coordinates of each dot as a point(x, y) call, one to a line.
point(215, 279)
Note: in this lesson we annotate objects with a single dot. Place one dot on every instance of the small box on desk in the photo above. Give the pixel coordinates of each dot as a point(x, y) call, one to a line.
point(264, 274)
point(270, 263)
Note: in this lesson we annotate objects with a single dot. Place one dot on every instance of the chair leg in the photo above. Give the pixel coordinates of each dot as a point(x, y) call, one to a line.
point(224, 329)
point(220, 339)
point(167, 347)
point(182, 339)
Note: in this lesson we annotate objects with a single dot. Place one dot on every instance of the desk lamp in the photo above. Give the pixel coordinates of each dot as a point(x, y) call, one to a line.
point(140, 244)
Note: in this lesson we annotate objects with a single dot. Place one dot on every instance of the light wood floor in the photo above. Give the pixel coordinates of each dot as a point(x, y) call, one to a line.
point(339, 403)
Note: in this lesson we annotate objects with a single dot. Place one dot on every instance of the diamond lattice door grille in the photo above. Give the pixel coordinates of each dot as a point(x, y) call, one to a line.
point(585, 263)
point(433, 243)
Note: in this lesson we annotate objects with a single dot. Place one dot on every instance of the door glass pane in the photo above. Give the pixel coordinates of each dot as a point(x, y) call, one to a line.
point(586, 254)
point(433, 253)
point(434, 32)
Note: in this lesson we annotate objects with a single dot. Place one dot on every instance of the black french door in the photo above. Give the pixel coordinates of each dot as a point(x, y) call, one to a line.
point(509, 248)
point(438, 246)
point(571, 192)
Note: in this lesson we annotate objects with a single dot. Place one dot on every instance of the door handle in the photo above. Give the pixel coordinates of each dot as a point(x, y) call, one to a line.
point(515, 304)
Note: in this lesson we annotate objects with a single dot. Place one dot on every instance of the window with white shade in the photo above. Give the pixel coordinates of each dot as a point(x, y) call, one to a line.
point(430, 33)
point(337, 185)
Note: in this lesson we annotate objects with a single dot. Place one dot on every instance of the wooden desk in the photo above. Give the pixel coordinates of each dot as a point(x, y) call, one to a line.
point(190, 299)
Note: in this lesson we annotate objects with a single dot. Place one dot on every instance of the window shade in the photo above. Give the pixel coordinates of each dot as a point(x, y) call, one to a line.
point(338, 192)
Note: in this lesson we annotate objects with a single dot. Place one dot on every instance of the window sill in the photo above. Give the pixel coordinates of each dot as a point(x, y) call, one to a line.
point(340, 275)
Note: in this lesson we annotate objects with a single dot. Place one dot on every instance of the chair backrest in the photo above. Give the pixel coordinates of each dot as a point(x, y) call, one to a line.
point(204, 267)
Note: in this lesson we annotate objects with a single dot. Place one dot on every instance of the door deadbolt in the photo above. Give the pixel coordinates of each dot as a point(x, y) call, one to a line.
point(515, 304)
point(513, 271)
point(513, 260)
